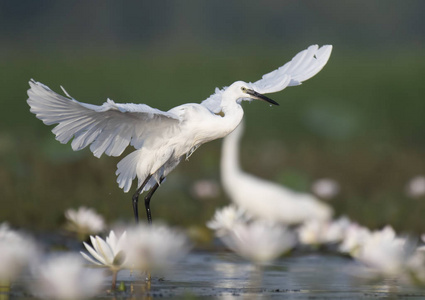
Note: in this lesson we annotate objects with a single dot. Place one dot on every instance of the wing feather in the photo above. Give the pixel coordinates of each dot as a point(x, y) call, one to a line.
point(213, 102)
point(303, 66)
point(108, 128)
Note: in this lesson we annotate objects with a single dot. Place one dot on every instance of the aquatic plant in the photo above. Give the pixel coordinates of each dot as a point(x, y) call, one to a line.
point(259, 241)
point(325, 188)
point(205, 189)
point(225, 218)
point(84, 221)
point(153, 247)
point(316, 232)
point(16, 252)
point(109, 254)
point(385, 252)
point(415, 188)
point(65, 277)
point(354, 239)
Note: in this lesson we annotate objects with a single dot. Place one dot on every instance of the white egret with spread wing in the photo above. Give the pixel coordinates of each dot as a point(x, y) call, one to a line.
point(161, 139)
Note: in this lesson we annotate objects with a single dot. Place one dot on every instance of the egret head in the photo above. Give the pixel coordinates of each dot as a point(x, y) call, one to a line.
point(243, 91)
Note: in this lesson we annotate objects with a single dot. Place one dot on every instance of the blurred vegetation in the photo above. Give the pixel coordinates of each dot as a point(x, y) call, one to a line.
point(360, 121)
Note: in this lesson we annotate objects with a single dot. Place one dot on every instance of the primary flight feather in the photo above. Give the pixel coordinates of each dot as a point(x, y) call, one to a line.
point(161, 139)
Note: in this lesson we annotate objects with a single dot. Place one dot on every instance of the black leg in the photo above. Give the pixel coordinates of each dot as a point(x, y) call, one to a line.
point(148, 199)
point(136, 198)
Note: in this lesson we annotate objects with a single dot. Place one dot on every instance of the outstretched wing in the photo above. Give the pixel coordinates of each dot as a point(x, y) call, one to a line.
point(303, 66)
point(108, 128)
point(213, 102)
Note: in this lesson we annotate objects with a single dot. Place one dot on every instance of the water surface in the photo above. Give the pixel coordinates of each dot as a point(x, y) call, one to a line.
point(223, 275)
point(307, 276)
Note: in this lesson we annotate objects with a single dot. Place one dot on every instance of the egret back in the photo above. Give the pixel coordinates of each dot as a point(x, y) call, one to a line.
point(261, 198)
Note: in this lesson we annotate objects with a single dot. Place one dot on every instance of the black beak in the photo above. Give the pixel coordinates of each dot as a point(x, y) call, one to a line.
point(261, 97)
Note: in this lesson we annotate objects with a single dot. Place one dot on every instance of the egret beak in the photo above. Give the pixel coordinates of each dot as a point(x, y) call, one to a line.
point(261, 97)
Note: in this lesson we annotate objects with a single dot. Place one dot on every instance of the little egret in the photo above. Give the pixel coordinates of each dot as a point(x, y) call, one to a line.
point(161, 139)
point(264, 199)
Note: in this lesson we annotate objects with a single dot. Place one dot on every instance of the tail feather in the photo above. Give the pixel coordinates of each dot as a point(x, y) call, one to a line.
point(127, 170)
point(131, 166)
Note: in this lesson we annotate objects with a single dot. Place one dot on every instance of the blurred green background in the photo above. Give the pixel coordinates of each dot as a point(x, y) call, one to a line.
point(360, 121)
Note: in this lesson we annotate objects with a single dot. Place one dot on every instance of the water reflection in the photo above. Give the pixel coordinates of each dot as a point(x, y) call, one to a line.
point(225, 276)
point(329, 276)
point(228, 272)
point(240, 280)
point(245, 279)
point(388, 286)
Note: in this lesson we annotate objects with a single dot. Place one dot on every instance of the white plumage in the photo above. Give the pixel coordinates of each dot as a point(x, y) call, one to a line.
point(161, 139)
point(303, 66)
point(264, 199)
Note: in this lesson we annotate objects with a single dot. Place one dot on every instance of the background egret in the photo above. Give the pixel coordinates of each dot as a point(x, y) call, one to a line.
point(264, 199)
point(161, 139)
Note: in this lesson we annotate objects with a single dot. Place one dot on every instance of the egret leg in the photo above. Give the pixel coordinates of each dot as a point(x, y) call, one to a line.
point(136, 198)
point(148, 199)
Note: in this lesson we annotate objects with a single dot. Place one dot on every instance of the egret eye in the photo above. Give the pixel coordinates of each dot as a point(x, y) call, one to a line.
point(243, 89)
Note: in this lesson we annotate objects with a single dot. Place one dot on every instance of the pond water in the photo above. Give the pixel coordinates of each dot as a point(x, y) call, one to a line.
point(311, 276)
point(224, 276)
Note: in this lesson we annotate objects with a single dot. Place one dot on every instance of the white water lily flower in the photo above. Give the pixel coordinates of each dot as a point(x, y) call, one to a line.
point(151, 247)
point(225, 218)
point(310, 232)
point(84, 221)
point(334, 232)
point(16, 252)
point(205, 189)
point(64, 277)
point(415, 188)
point(259, 241)
point(109, 253)
point(355, 237)
point(325, 188)
point(384, 252)
point(316, 232)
